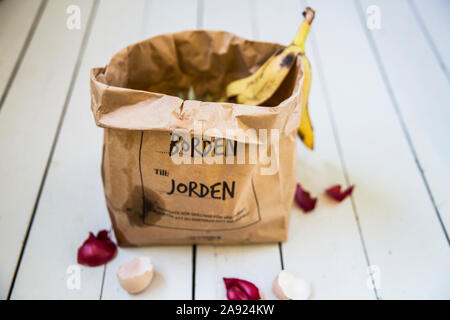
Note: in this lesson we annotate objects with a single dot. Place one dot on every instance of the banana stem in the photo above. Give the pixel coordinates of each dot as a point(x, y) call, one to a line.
point(303, 31)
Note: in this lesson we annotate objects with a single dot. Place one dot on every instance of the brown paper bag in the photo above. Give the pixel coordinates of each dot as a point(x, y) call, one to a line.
point(152, 199)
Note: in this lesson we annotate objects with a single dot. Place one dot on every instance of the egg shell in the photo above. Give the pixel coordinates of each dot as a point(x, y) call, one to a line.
point(135, 275)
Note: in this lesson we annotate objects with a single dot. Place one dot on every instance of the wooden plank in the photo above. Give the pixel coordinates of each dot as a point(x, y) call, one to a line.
point(173, 265)
point(169, 16)
point(73, 195)
point(16, 22)
point(324, 246)
point(172, 279)
point(233, 16)
point(72, 202)
point(432, 17)
point(401, 232)
point(28, 122)
point(423, 100)
point(256, 263)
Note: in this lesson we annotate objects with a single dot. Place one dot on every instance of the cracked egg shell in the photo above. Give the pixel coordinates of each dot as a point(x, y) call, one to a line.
point(135, 275)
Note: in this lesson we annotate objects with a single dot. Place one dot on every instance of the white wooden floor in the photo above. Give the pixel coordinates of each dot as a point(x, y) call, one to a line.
point(380, 105)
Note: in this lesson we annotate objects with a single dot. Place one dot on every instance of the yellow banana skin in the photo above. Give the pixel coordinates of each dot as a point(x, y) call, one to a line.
point(305, 130)
point(236, 87)
point(262, 84)
point(269, 77)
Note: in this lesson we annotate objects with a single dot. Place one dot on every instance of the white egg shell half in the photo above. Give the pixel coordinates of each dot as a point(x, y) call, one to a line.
point(286, 286)
point(135, 275)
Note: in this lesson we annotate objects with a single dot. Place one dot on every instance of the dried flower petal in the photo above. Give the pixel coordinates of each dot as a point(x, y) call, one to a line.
point(238, 289)
point(304, 199)
point(336, 193)
point(96, 251)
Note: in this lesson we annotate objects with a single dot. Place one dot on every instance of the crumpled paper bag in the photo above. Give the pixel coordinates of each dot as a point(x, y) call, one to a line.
point(152, 200)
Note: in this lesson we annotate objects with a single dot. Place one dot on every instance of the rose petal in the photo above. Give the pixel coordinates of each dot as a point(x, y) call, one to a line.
point(336, 193)
point(304, 199)
point(96, 251)
point(238, 289)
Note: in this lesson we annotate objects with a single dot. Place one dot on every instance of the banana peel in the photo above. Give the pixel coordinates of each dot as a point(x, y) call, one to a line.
point(305, 129)
point(262, 84)
point(268, 79)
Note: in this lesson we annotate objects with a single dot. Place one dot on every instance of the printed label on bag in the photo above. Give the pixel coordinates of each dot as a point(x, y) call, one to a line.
point(192, 197)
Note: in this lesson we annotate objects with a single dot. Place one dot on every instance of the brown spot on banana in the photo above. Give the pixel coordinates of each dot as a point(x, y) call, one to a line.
point(287, 61)
point(279, 52)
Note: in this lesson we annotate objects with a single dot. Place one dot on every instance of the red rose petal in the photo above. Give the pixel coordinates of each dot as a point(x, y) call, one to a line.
point(304, 199)
point(336, 193)
point(96, 251)
point(238, 289)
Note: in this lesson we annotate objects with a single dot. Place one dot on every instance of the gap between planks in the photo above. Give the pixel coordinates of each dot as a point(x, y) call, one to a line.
point(76, 69)
point(22, 52)
point(431, 44)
